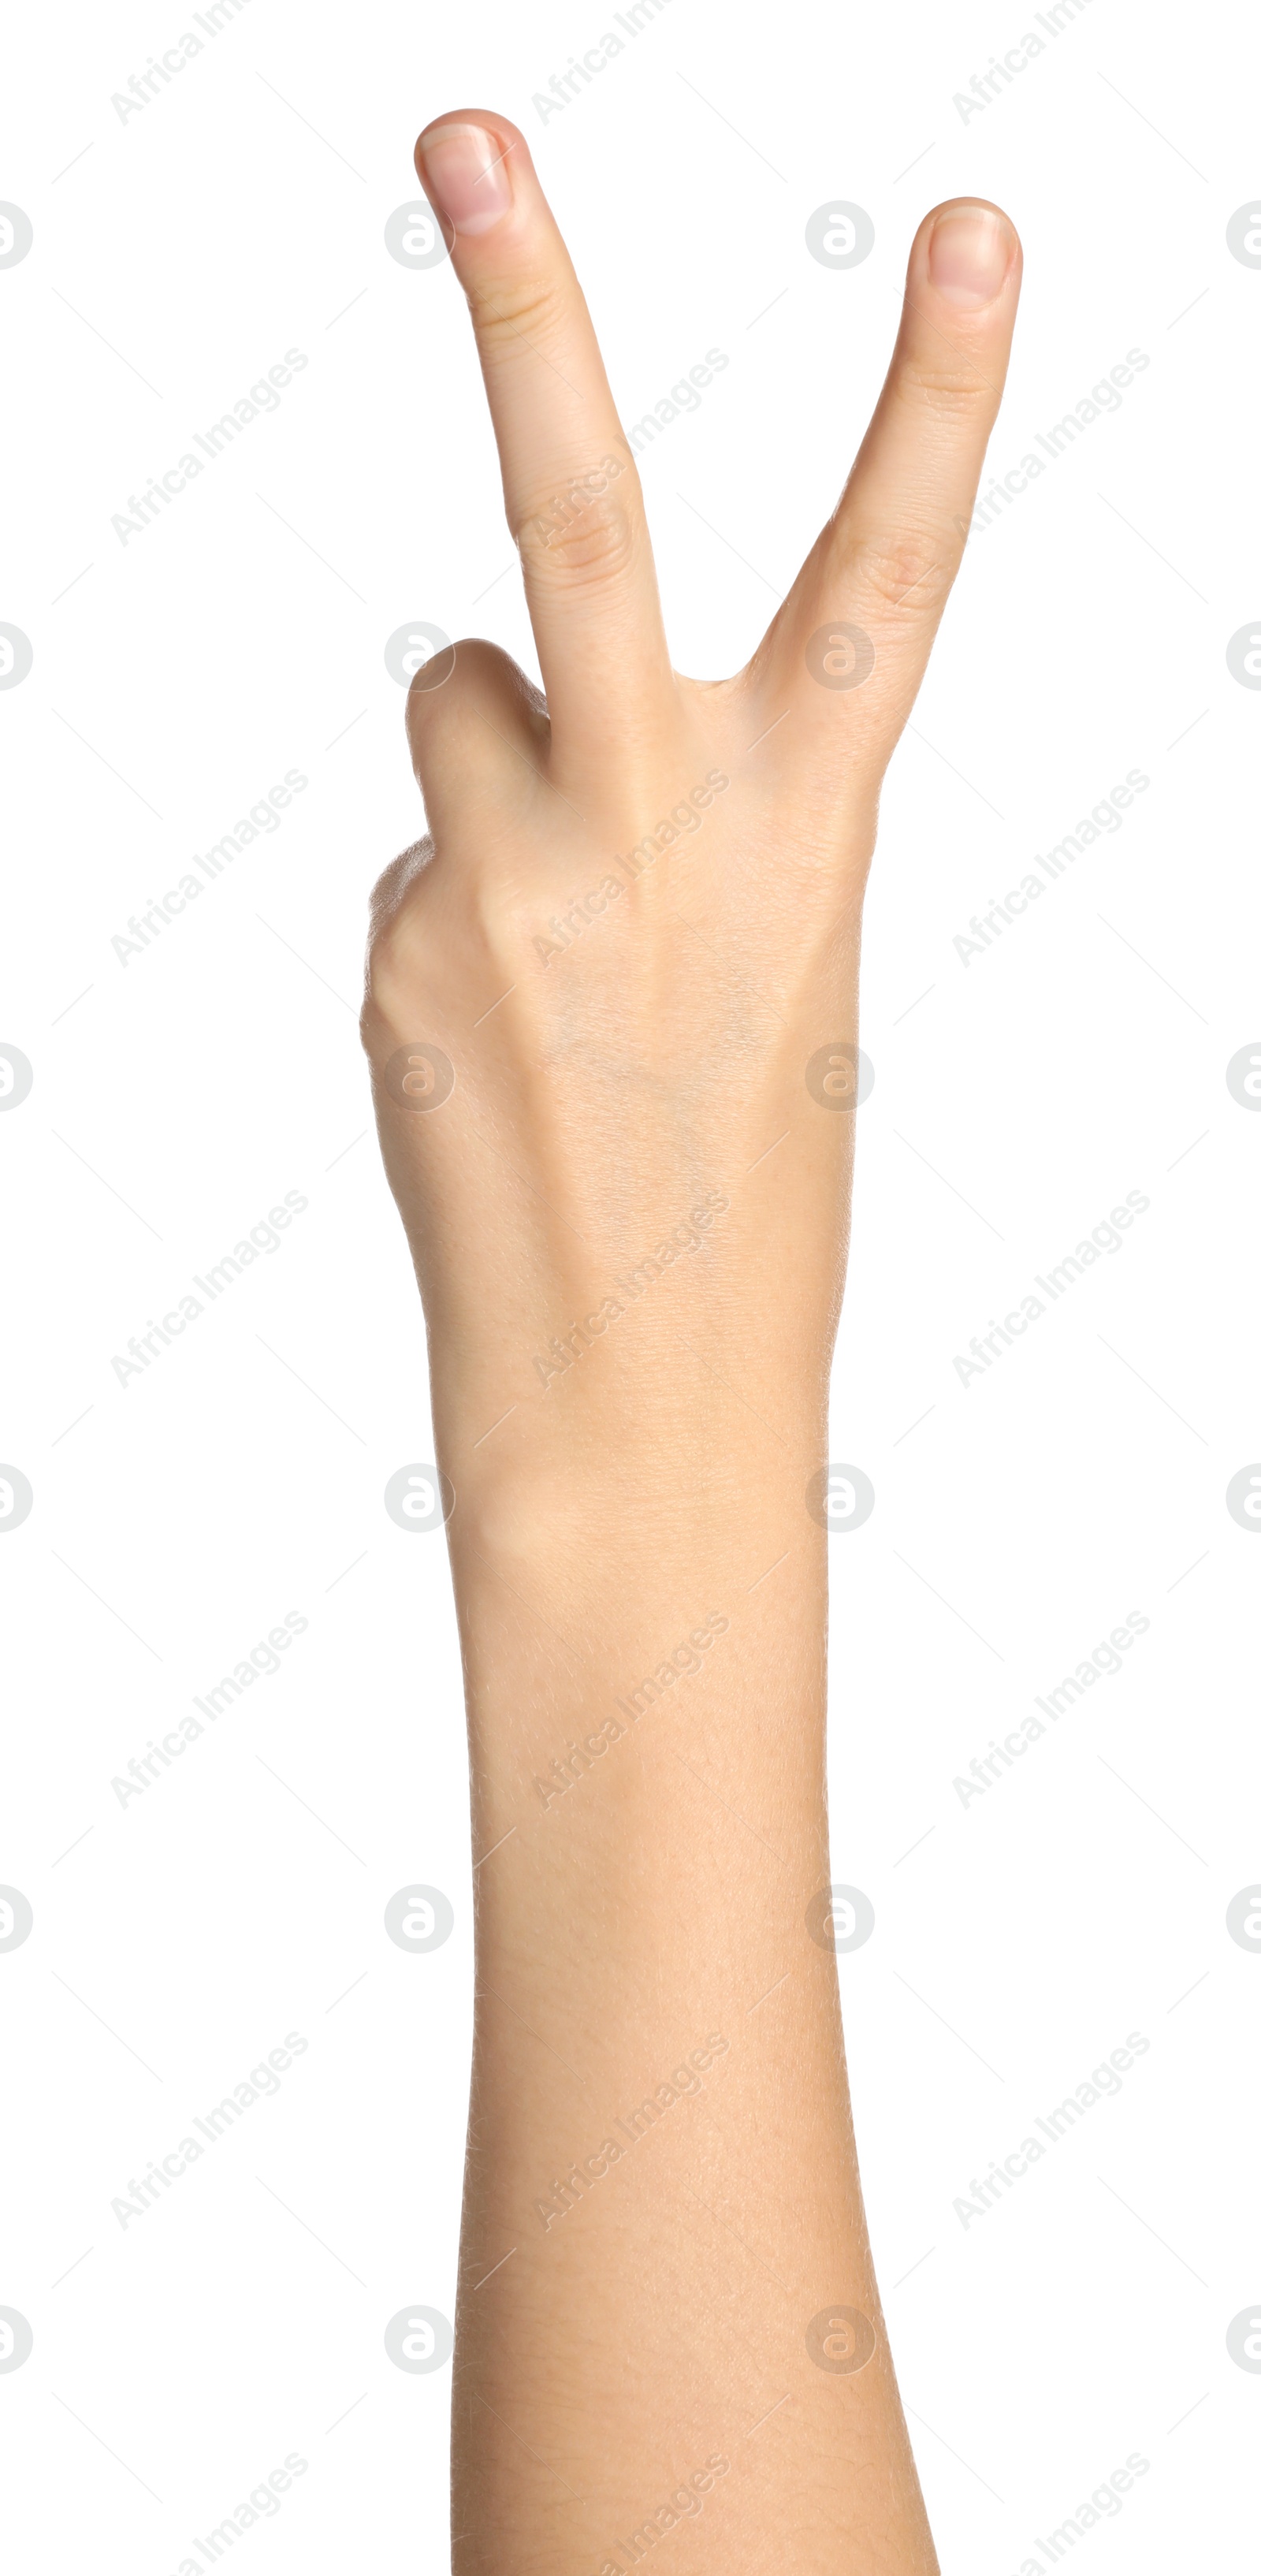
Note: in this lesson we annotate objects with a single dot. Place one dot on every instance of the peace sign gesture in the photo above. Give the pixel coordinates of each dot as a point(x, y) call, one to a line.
point(634, 924)
point(883, 565)
point(611, 1013)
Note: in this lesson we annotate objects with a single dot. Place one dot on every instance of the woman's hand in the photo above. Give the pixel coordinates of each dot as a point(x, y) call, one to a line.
point(633, 931)
point(612, 1018)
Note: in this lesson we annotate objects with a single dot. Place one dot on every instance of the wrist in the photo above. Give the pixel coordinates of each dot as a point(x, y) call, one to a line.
point(620, 1510)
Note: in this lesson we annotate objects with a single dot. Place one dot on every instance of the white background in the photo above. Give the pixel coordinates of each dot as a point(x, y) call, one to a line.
point(176, 257)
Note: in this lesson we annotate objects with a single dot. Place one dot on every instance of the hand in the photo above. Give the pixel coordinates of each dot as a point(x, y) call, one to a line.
point(634, 925)
point(612, 1019)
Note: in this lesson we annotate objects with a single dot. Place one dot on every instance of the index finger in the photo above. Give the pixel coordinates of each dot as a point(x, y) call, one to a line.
point(571, 488)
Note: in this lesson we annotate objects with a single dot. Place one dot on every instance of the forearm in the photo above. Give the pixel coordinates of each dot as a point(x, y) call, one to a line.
point(662, 2192)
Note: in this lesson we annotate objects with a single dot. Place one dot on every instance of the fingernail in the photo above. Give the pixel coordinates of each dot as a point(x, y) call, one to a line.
point(969, 252)
point(465, 173)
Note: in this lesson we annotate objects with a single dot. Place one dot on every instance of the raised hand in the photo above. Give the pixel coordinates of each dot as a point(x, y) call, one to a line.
point(612, 1018)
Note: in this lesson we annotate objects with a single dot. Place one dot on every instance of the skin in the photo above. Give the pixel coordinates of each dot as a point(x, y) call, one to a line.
point(630, 1447)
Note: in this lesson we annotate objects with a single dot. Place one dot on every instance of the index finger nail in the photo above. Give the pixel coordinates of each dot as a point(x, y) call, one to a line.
point(465, 175)
point(969, 253)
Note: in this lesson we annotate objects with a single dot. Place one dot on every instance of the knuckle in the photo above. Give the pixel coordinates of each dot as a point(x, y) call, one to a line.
point(948, 392)
point(587, 537)
point(397, 942)
point(440, 928)
point(508, 311)
point(904, 571)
